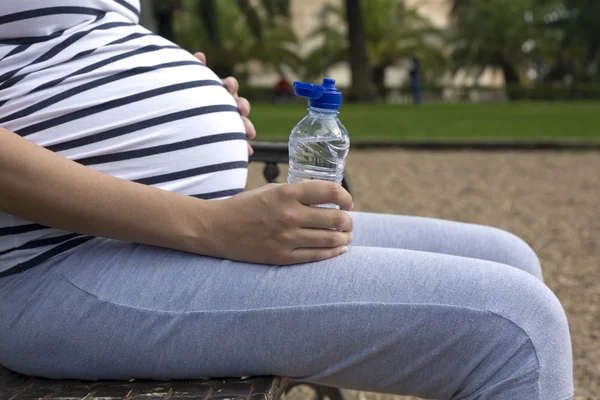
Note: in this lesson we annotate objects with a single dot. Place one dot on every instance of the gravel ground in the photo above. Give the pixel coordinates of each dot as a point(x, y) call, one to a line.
point(550, 199)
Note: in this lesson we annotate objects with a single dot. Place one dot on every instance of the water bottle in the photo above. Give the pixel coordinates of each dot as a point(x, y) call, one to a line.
point(319, 143)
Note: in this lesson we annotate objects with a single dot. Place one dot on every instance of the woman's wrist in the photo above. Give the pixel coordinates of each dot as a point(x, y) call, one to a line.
point(194, 225)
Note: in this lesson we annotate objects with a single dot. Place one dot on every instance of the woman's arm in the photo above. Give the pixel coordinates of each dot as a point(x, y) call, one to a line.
point(39, 185)
point(272, 225)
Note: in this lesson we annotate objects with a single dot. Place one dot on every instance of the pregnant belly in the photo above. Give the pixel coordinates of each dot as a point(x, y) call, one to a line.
point(140, 109)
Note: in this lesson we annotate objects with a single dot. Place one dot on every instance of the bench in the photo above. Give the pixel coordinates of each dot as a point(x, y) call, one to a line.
point(15, 386)
point(19, 387)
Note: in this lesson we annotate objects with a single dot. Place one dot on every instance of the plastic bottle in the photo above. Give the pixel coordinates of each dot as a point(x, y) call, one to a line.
point(319, 143)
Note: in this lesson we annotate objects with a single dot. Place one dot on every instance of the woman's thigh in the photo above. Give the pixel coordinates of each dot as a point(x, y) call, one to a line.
point(445, 237)
point(387, 320)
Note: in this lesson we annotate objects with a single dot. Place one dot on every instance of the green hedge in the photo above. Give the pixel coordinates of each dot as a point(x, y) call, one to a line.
point(257, 94)
point(544, 92)
point(266, 95)
point(549, 92)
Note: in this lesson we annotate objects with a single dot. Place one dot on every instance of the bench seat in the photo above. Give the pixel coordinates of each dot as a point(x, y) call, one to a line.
point(15, 386)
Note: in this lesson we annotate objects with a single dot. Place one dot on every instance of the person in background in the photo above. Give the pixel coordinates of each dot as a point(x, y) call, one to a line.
point(415, 79)
point(283, 90)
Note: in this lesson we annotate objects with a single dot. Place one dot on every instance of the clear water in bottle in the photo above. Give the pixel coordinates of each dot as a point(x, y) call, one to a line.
point(318, 148)
point(317, 158)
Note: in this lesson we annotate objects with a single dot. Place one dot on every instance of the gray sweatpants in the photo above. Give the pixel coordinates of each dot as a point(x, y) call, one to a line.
point(417, 306)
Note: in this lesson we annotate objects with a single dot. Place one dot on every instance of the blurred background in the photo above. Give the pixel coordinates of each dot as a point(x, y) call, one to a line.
point(433, 92)
point(392, 52)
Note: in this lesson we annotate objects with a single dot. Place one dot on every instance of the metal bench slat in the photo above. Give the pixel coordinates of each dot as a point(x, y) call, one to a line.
point(19, 387)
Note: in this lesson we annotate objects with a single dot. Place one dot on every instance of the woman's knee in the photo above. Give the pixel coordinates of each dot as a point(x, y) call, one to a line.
point(532, 308)
point(528, 303)
point(511, 250)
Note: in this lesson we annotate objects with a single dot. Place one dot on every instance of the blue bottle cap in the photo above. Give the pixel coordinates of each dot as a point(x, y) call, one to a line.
point(320, 96)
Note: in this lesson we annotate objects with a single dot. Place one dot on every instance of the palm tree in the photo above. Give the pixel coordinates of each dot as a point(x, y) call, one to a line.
point(585, 27)
point(396, 31)
point(575, 25)
point(562, 35)
point(234, 32)
point(163, 13)
point(393, 31)
point(207, 11)
point(503, 34)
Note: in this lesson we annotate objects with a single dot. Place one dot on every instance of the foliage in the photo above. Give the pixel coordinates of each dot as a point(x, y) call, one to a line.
point(502, 34)
point(554, 38)
point(530, 41)
point(575, 24)
point(222, 29)
point(393, 32)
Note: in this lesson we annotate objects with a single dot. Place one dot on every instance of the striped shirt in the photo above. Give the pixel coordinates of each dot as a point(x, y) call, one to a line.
point(82, 79)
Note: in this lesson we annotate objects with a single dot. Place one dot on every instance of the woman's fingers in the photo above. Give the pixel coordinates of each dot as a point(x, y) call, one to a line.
point(268, 227)
point(311, 255)
point(321, 238)
point(249, 127)
point(201, 56)
point(323, 192)
point(326, 218)
point(232, 85)
point(243, 105)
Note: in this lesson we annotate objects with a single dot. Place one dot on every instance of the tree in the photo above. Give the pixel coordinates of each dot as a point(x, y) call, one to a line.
point(519, 36)
point(207, 11)
point(234, 32)
point(147, 16)
point(393, 31)
point(574, 25)
point(492, 33)
point(163, 13)
point(359, 63)
point(558, 39)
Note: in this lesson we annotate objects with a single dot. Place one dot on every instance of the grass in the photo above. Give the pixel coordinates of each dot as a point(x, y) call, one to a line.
point(522, 121)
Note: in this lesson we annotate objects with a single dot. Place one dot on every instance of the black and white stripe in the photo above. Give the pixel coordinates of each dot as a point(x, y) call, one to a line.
point(54, 51)
point(81, 78)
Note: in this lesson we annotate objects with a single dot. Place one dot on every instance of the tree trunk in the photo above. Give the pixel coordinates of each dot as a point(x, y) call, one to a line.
point(218, 62)
point(362, 90)
point(163, 14)
point(252, 18)
point(208, 13)
point(511, 75)
point(222, 70)
point(511, 80)
point(147, 18)
point(378, 76)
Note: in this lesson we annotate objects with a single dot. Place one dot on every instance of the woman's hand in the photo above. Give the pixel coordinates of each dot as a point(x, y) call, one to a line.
point(275, 224)
point(232, 86)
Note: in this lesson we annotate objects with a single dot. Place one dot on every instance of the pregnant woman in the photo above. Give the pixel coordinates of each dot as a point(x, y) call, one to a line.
point(128, 248)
